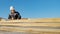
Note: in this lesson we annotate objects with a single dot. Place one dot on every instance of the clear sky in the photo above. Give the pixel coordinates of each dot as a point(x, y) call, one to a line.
point(31, 8)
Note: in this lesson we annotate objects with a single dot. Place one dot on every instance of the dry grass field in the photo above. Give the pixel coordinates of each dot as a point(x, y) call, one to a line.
point(32, 26)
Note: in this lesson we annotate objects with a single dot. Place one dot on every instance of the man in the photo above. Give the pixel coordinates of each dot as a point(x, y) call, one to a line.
point(14, 15)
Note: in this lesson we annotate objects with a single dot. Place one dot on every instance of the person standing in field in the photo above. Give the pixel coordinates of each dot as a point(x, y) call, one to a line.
point(14, 14)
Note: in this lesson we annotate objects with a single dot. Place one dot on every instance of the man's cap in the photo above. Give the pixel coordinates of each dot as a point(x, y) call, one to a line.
point(12, 8)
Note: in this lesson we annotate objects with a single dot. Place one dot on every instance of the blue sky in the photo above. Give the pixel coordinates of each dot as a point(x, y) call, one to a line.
point(31, 8)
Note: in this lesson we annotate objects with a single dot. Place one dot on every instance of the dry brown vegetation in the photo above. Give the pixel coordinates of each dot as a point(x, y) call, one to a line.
point(45, 22)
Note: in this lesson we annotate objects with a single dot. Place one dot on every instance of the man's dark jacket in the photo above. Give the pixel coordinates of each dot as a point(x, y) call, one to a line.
point(16, 15)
